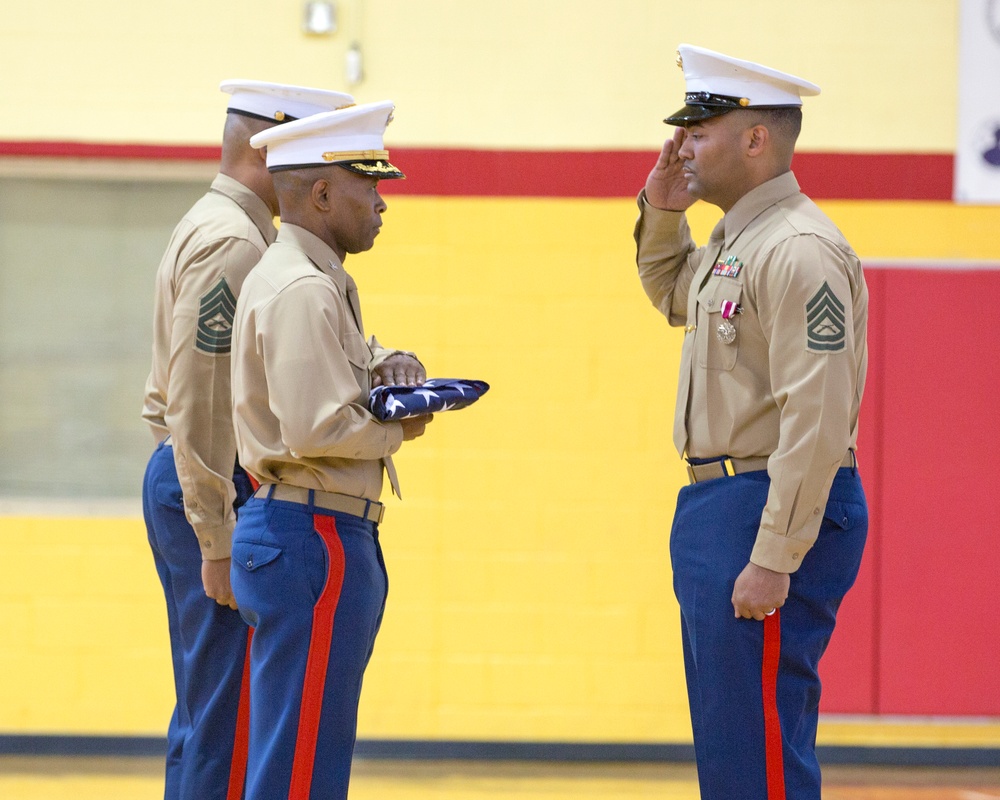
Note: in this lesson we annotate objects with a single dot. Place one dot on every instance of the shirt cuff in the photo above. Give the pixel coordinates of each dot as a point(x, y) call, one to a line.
point(216, 542)
point(380, 353)
point(778, 553)
point(658, 224)
point(393, 436)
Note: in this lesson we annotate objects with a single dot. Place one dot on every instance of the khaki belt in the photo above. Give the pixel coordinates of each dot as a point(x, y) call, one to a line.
point(728, 467)
point(370, 510)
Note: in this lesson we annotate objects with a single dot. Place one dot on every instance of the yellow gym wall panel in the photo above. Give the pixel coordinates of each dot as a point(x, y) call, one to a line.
point(519, 74)
point(529, 578)
point(533, 599)
point(530, 589)
point(82, 627)
point(530, 593)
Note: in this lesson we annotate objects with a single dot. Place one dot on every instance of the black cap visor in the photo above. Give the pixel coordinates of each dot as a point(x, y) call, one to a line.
point(373, 168)
point(252, 115)
point(705, 105)
point(690, 114)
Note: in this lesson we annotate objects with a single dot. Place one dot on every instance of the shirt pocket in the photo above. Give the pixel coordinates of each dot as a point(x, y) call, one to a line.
point(714, 351)
point(360, 356)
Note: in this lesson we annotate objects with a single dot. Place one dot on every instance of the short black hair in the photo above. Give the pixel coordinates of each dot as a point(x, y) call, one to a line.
point(785, 121)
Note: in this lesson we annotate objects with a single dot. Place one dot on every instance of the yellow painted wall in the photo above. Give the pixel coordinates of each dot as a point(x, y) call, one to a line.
point(530, 589)
point(517, 74)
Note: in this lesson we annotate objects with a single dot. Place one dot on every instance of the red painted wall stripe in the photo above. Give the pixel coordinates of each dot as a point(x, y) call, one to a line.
point(317, 661)
point(150, 152)
point(612, 173)
point(774, 758)
point(241, 742)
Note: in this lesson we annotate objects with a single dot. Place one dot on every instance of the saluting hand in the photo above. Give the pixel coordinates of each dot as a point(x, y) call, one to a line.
point(666, 186)
point(399, 369)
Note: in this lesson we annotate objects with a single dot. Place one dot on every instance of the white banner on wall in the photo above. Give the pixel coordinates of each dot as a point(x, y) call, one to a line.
point(977, 157)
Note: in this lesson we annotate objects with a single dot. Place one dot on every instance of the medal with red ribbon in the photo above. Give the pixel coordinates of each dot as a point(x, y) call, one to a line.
point(726, 331)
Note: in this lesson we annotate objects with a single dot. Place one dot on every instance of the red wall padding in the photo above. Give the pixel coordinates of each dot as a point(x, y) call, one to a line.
point(920, 632)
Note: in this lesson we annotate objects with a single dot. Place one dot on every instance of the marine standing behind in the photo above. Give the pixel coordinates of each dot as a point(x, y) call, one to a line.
point(192, 485)
point(768, 536)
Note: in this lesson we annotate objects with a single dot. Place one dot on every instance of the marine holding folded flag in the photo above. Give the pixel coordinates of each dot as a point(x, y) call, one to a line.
point(307, 568)
point(768, 536)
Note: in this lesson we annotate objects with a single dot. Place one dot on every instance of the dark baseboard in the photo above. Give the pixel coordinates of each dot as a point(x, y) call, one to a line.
point(450, 750)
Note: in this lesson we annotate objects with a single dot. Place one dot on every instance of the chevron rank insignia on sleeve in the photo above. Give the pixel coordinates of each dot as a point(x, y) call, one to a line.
point(215, 320)
point(826, 328)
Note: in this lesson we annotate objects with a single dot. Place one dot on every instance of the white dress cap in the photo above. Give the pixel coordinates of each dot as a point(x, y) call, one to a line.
point(280, 102)
point(350, 138)
point(717, 83)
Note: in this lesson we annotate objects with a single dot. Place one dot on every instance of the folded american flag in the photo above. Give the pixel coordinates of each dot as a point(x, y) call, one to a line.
point(437, 394)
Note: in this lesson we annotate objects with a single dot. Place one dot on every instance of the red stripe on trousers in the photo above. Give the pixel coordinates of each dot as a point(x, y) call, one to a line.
point(241, 742)
point(316, 663)
point(772, 722)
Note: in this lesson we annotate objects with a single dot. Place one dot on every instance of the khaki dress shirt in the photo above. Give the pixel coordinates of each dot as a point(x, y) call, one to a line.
point(209, 255)
point(782, 376)
point(301, 374)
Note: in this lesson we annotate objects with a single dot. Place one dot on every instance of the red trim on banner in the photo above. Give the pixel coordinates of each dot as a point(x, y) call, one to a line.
point(572, 173)
point(317, 661)
point(774, 758)
point(241, 741)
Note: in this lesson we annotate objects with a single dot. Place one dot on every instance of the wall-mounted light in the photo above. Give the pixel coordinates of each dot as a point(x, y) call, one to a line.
point(319, 17)
point(354, 68)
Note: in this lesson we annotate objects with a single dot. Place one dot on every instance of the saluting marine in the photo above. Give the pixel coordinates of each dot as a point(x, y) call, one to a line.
point(768, 536)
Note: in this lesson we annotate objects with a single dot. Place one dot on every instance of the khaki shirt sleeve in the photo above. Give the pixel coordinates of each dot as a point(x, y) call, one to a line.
point(667, 259)
point(380, 353)
point(199, 414)
point(814, 390)
point(313, 357)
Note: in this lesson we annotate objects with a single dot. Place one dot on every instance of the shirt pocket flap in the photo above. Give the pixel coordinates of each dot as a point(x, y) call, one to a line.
point(357, 350)
point(253, 555)
point(725, 290)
